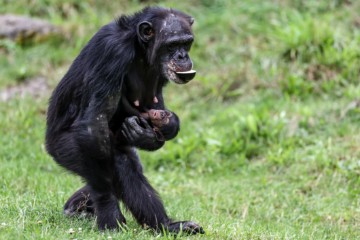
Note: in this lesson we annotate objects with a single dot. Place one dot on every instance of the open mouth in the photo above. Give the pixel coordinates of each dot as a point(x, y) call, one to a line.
point(186, 76)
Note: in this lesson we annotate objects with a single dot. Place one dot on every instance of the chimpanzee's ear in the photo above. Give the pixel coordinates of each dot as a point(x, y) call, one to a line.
point(191, 21)
point(145, 31)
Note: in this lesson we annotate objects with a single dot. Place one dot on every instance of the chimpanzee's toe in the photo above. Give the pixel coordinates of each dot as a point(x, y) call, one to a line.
point(187, 227)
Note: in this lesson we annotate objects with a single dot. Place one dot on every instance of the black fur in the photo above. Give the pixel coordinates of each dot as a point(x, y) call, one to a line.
point(93, 125)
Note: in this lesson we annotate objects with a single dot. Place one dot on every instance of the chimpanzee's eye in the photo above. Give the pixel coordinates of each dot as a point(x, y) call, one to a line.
point(187, 46)
point(171, 47)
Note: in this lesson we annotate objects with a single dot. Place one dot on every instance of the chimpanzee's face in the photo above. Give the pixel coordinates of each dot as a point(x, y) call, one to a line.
point(169, 43)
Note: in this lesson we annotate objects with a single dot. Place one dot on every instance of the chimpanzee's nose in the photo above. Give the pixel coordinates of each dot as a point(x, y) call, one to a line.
point(182, 56)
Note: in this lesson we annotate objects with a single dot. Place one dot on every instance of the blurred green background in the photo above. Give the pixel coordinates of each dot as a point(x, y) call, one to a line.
point(269, 146)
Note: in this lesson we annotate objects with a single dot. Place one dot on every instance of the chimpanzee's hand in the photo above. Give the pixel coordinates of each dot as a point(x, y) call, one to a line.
point(138, 132)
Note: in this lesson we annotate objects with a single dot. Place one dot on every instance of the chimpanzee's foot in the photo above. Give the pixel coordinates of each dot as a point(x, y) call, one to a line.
point(110, 218)
point(80, 204)
point(187, 227)
point(107, 211)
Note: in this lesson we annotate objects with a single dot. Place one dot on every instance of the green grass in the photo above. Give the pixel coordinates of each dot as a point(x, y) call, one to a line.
point(269, 146)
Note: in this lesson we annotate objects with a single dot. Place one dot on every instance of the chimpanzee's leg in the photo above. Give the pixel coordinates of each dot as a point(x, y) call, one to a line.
point(86, 149)
point(80, 203)
point(141, 199)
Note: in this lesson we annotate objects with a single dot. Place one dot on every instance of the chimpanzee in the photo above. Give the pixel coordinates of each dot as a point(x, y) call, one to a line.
point(106, 106)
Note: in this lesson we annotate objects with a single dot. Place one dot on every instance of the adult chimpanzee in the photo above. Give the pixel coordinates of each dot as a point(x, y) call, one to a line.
point(95, 121)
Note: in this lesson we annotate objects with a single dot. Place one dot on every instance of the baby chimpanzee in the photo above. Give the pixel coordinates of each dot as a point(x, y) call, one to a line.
point(158, 119)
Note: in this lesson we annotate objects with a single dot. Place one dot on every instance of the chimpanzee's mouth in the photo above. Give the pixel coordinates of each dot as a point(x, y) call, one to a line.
point(186, 76)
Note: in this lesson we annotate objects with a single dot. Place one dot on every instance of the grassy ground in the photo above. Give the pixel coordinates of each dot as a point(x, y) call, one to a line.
point(270, 140)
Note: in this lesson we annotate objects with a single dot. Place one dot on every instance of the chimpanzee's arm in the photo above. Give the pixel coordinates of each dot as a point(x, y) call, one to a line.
point(136, 131)
point(171, 129)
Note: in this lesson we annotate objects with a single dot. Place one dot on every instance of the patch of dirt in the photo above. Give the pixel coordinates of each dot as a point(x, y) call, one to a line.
point(356, 22)
point(318, 72)
point(34, 87)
